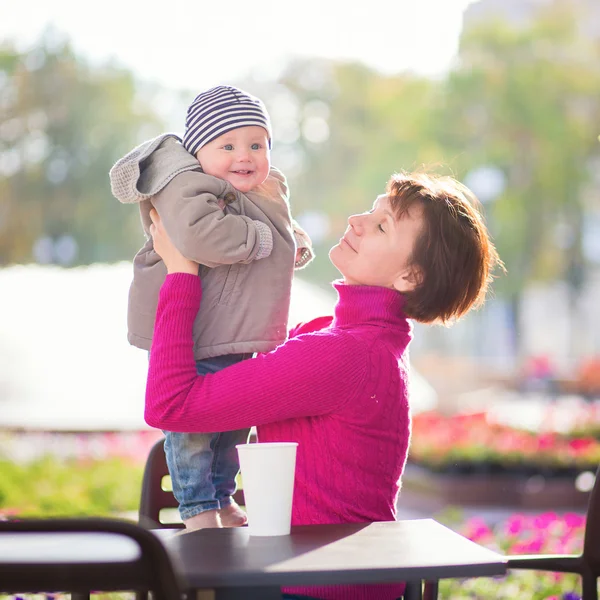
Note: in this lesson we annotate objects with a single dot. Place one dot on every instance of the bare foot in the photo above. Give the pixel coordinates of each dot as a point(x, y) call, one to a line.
point(206, 519)
point(232, 515)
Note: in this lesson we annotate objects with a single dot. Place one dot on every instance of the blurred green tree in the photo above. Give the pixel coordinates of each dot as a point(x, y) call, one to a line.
point(340, 131)
point(63, 123)
point(525, 101)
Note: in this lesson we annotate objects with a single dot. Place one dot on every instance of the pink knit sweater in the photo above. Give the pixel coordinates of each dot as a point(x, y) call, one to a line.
point(337, 387)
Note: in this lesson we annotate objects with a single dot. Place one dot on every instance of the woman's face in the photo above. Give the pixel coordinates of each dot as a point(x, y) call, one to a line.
point(377, 247)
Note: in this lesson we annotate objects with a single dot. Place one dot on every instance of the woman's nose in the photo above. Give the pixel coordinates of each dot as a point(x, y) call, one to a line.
point(356, 222)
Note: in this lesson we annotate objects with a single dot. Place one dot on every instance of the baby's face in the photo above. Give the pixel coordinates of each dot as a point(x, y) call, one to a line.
point(241, 157)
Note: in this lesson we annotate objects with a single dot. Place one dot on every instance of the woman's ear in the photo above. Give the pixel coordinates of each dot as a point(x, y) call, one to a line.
point(408, 280)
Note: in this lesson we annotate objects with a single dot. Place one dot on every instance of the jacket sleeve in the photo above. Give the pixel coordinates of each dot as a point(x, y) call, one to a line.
point(304, 248)
point(206, 234)
point(303, 377)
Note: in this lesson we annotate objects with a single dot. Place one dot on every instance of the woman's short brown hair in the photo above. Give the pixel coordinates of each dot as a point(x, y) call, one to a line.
point(454, 256)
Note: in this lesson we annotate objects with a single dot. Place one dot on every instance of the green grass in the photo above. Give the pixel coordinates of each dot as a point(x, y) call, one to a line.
point(52, 487)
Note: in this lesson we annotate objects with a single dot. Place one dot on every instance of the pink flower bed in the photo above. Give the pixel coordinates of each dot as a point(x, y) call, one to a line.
point(546, 533)
point(439, 442)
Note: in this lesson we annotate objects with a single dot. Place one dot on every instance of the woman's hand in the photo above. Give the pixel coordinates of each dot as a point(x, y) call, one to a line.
point(164, 247)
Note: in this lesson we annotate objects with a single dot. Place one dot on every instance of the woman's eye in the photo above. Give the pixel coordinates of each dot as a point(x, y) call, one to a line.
point(255, 146)
point(228, 147)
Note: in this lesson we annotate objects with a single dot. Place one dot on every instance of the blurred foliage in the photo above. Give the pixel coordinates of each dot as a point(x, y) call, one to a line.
point(522, 99)
point(377, 126)
point(525, 100)
point(63, 123)
point(53, 487)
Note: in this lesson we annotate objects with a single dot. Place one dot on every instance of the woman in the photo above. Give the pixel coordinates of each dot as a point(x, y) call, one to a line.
point(338, 386)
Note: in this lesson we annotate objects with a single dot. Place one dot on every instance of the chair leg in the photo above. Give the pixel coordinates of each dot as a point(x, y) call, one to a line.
point(430, 591)
point(413, 590)
point(590, 587)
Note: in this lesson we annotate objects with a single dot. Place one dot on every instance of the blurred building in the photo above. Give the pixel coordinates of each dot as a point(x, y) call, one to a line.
point(521, 12)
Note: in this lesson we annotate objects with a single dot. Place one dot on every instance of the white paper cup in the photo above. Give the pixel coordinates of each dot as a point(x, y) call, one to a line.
point(268, 471)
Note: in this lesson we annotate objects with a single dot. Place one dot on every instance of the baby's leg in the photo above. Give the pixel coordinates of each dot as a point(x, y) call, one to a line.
point(225, 465)
point(226, 468)
point(190, 459)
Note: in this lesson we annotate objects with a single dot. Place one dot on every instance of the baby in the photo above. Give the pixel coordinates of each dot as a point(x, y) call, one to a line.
point(225, 207)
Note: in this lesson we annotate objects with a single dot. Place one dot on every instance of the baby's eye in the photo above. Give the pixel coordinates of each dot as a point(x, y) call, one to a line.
point(256, 146)
point(380, 228)
point(228, 147)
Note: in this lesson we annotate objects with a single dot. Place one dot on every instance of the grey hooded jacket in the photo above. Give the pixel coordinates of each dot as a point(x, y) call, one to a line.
point(246, 251)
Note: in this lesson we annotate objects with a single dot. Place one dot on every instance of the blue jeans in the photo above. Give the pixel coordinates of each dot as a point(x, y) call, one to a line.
point(203, 466)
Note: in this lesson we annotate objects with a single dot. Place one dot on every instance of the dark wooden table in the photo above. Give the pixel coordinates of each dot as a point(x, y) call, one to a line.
point(240, 567)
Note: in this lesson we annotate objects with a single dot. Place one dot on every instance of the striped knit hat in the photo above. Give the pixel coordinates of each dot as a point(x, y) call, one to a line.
point(219, 110)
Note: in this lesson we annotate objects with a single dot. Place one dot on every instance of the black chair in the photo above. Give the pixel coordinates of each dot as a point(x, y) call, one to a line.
point(150, 571)
point(156, 496)
point(586, 564)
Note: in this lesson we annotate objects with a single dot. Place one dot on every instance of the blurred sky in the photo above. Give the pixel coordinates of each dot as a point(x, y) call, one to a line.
point(187, 44)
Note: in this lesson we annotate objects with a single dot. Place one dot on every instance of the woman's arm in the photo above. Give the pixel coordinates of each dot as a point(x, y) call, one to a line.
point(307, 376)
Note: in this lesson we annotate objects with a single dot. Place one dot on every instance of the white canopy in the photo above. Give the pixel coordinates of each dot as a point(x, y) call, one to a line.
point(65, 363)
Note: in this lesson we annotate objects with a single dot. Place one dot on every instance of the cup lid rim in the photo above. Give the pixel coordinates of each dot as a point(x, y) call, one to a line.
point(267, 444)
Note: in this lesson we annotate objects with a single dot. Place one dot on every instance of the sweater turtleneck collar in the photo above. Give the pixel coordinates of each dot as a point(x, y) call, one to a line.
point(363, 304)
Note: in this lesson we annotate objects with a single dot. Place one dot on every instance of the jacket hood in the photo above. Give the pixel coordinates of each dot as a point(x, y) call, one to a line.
point(147, 169)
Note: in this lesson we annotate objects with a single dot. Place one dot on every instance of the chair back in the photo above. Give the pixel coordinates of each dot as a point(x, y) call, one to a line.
point(44, 569)
point(155, 497)
point(591, 544)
